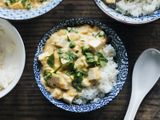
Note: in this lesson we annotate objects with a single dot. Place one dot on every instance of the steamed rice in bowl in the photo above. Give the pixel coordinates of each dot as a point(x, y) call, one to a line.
point(8, 70)
point(138, 7)
point(135, 8)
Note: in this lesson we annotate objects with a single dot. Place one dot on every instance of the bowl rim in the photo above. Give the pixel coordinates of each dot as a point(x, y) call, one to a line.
point(127, 19)
point(22, 14)
point(78, 108)
point(11, 86)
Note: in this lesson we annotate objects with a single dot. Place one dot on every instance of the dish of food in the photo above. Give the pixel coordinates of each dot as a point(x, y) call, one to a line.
point(25, 9)
point(77, 64)
point(21, 4)
point(12, 57)
point(131, 11)
point(83, 74)
point(134, 7)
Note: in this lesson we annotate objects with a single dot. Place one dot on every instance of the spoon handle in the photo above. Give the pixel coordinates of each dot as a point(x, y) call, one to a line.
point(133, 106)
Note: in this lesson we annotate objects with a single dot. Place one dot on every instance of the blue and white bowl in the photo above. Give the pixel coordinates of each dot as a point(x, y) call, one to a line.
point(21, 14)
point(121, 59)
point(127, 19)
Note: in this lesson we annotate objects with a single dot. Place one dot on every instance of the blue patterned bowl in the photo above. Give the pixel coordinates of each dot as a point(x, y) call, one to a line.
point(121, 59)
point(12, 14)
point(127, 19)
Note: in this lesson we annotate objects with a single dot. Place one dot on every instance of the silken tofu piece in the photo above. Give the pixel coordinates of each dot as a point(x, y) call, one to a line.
point(110, 1)
point(73, 36)
point(94, 74)
point(61, 42)
point(67, 98)
point(65, 77)
point(57, 93)
point(95, 44)
point(58, 81)
point(70, 95)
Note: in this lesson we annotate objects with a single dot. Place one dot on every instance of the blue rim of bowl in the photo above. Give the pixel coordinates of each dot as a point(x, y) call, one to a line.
point(12, 14)
point(127, 19)
point(122, 59)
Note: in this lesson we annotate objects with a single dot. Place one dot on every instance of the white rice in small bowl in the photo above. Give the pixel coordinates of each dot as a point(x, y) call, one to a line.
point(131, 11)
point(137, 7)
point(12, 57)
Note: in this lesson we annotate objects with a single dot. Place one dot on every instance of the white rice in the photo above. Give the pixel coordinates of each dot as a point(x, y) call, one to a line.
point(106, 83)
point(8, 70)
point(137, 7)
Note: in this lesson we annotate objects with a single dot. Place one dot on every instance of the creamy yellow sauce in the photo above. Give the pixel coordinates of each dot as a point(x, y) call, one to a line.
point(71, 60)
point(21, 4)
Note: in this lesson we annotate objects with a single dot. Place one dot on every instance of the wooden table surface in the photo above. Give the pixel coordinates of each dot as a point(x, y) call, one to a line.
point(26, 102)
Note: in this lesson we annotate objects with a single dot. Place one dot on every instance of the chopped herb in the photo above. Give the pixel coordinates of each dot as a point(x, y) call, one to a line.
point(90, 59)
point(101, 59)
point(60, 51)
point(85, 49)
point(100, 34)
point(28, 6)
point(72, 44)
point(23, 2)
point(77, 82)
point(6, 3)
point(47, 75)
point(68, 39)
point(50, 61)
point(77, 85)
point(70, 56)
point(12, 1)
point(70, 29)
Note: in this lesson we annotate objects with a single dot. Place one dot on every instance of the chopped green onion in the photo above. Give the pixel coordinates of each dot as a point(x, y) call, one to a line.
point(72, 44)
point(50, 61)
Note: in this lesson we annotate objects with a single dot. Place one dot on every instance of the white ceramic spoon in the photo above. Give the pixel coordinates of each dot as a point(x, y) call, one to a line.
point(146, 73)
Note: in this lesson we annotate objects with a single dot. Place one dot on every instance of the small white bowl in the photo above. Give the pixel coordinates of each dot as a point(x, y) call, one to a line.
point(8, 35)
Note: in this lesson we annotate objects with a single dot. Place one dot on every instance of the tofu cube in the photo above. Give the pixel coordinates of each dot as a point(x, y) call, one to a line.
point(94, 74)
point(57, 93)
point(61, 42)
point(67, 98)
point(95, 44)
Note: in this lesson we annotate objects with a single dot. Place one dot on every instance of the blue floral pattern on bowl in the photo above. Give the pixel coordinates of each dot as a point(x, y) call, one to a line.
point(21, 14)
point(127, 19)
point(121, 59)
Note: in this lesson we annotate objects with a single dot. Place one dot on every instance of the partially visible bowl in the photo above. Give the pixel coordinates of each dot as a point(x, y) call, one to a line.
point(21, 14)
point(127, 19)
point(121, 59)
point(13, 60)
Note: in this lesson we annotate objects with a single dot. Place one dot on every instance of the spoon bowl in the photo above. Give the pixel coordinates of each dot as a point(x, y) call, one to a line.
point(146, 73)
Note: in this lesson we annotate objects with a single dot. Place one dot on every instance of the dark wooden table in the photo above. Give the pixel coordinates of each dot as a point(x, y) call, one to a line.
point(26, 102)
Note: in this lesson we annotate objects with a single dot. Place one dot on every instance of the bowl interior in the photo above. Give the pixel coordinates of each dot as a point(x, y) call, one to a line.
point(121, 59)
point(127, 19)
point(28, 14)
point(10, 34)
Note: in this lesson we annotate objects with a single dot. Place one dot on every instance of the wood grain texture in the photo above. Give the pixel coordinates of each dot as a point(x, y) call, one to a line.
point(26, 102)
